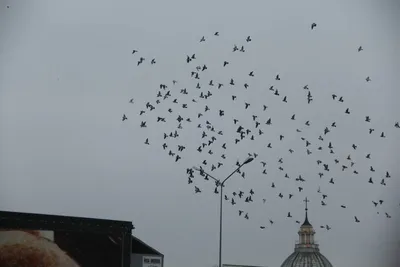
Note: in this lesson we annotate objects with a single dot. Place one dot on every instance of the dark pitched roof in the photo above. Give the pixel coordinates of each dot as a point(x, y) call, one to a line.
point(19, 220)
point(140, 247)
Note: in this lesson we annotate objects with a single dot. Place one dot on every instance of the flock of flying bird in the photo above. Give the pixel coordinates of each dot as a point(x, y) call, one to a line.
point(212, 138)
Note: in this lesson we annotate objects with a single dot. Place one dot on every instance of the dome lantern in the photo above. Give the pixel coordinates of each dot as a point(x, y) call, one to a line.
point(306, 252)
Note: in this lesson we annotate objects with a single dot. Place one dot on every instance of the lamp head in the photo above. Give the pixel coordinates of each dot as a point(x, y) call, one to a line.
point(248, 160)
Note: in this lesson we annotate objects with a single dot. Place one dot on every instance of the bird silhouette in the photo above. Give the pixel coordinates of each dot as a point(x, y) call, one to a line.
point(313, 25)
point(140, 61)
point(371, 169)
point(124, 117)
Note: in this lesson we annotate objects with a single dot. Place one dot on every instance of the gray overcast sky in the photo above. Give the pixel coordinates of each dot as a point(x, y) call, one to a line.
point(67, 74)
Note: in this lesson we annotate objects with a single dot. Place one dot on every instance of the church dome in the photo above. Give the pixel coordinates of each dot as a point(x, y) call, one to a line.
point(306, 252)
point(306, 259)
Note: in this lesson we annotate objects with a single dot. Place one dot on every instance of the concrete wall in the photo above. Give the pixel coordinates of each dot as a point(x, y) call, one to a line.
point(137, 260)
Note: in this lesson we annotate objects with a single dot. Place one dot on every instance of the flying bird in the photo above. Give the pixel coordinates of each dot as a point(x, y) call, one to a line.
point(313, 25)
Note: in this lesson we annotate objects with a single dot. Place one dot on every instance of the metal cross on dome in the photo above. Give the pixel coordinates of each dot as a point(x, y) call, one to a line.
point(306, 200)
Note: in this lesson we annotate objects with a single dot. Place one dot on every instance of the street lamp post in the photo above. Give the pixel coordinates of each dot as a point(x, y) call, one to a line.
point(221, 185)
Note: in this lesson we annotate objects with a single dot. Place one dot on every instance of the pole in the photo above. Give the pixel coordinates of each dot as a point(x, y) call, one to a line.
point(248, 160)
point(220, 228)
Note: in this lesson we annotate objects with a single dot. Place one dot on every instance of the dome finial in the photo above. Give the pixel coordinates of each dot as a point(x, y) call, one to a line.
point(306, 222)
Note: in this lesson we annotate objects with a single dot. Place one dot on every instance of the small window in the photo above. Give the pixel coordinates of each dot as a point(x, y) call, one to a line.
point(155, 261)
point(146, 260)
